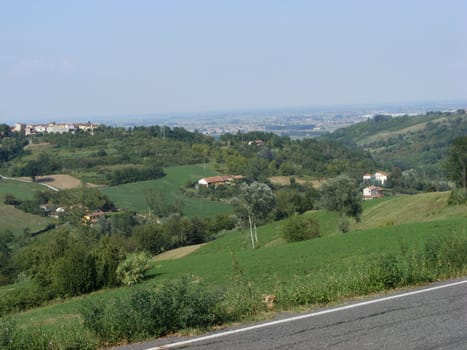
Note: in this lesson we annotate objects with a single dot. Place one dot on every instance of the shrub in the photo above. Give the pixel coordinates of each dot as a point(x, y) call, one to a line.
point(68, 337)
point(388, 272)
point(300, 228)
point(10, 199)
point(344, 225)
point(131, 270)
point(177, 305)
point(458, 196)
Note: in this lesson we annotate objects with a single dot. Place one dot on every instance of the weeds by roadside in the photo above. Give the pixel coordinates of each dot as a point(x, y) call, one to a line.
point(186, 304)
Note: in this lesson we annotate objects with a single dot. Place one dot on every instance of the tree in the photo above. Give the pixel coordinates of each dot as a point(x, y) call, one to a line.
point(6, 237)
point(4, 130)
point(253, 204)
point(342, 195)
point(159, 203)
point(122, 223)
point(457, 161)
point(32, 169)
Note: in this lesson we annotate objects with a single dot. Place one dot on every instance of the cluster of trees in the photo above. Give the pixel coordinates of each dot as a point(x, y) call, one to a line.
point(457, 168)
point(70, 261)
point(134, 174)
point(96, 155)
point(11, 144)
point(280, 155)
point(145, 150)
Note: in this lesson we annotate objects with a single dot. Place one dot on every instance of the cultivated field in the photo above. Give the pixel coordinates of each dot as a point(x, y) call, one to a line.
point(21, 190)
point(133, 196)
point(62, 181)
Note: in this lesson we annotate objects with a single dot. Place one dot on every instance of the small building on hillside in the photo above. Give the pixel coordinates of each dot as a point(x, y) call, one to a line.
point(372, 192)
point(91, 218)
point(258, 143)
point(379, 177)
point(218, 180)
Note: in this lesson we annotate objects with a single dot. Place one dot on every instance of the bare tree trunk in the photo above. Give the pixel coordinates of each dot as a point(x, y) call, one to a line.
point(250, 221)
point(464, 176)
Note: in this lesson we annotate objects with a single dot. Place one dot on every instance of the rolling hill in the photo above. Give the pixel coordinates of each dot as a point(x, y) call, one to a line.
point(288, 269)
point(408, 142)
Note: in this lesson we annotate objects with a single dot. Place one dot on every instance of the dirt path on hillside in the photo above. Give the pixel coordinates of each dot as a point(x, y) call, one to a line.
point(177, 253)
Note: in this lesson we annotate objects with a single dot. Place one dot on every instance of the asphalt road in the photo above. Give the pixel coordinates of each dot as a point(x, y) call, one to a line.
point(433, 317)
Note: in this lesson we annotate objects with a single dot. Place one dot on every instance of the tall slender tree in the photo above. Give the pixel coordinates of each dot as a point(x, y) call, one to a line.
point(252, 205)
point(457, 161)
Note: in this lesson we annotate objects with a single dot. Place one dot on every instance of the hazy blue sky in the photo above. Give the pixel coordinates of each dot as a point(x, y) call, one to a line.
point(89, 58)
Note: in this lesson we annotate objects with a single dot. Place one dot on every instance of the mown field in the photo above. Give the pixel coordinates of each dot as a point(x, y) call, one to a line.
point(133, 196)
point(16, 220)
point(21, 190)
point(284, 269)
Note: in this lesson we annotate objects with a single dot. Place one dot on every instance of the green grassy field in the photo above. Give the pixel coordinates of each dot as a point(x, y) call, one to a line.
point(132, 196)
point(21, 190)
point(16, 220)
point(276, 266)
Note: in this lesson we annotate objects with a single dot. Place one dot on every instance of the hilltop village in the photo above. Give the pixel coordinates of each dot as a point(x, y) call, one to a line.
point(52, 127)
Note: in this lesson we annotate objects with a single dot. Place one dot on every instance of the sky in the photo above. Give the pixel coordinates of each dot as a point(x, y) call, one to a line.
point(108, 57)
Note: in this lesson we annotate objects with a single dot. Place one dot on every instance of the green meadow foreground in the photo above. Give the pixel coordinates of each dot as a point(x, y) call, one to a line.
point(389, 248)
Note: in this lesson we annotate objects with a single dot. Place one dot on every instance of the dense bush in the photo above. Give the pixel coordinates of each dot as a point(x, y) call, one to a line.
point(134, 174)
point(10, 199)
point(177, 305)
point(131, 270)
point(67, 263)
point(300, 228)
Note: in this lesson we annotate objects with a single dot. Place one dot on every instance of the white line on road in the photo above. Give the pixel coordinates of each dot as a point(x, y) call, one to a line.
point(302, 317)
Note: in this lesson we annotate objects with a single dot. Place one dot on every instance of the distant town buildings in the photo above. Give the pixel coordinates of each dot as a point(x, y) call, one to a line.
point(31, 129)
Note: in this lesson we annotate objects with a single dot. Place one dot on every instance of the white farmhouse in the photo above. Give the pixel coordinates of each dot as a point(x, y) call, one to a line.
point(372, 192)
point(381, 177)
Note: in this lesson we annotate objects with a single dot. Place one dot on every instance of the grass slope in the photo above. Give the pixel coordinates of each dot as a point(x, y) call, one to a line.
point(21, 190)
point(391, 211)
point(16, 220)
point(132, 196)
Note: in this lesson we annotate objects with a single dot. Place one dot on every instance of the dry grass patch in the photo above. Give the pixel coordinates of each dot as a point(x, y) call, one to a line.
point(38, 146)
point(177, 253)
point(62, 181)
point(285, 181)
